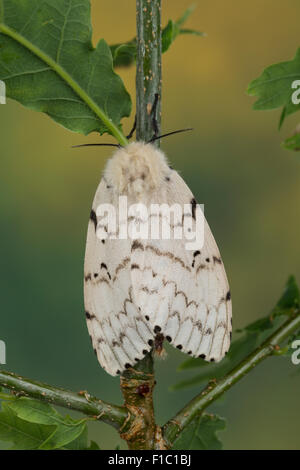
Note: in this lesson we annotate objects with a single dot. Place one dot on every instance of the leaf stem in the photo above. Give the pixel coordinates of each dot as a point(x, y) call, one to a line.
point(214, 390)
point(116, 416)
point(68, 79)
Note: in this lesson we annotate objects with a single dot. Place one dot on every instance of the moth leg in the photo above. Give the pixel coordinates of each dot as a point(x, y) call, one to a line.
point(132, 130)
point(159, 345)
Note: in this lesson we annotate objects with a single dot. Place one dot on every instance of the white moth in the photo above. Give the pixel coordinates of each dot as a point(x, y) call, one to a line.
point(140, 292)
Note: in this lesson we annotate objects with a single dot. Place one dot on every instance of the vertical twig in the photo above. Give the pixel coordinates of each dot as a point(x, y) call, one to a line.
point(148, 74)
point(137, 384)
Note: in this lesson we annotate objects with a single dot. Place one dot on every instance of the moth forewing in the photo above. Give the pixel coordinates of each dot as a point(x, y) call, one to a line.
point(140, 290)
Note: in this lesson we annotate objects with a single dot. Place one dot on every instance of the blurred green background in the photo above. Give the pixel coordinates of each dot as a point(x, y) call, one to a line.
point(233, 163)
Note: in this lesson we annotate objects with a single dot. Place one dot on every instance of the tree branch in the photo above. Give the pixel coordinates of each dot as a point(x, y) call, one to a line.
point(137, 387)
point(215, 389)
point(116, 416)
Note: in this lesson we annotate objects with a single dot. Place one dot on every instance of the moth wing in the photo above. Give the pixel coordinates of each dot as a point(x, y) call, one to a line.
point(119, 334)
point(183, 294)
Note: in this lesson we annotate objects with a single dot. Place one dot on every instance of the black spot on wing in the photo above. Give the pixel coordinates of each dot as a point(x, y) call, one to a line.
point(104, 266)
point(134, 266)
point(89, 316)
point(195, 254)
point(93, 218)
point(194, 207)
point(137, 246)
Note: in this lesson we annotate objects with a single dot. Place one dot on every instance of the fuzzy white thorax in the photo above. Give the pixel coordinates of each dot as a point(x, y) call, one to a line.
point(136, 169)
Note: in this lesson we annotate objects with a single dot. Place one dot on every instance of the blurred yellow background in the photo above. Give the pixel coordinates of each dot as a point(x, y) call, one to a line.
point(234, 165)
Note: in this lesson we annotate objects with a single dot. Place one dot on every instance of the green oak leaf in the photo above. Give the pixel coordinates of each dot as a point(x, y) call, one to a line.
point(273, 88)
point(201, 434)
point(49, 64)
point(36, 411)
point(65, 434)
point(65, 430)
point(22, 434)
point(174, 29)
point(124, 54)
point(93, 446)
point(81, 443)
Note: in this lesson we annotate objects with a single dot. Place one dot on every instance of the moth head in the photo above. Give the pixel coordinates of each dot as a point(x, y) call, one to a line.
point(139, 167)
point(136, 169)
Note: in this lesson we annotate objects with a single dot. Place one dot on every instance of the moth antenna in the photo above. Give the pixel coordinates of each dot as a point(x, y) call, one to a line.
point(154, 117)
point(132, 130)
point(96, 145)
point(169, 133)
